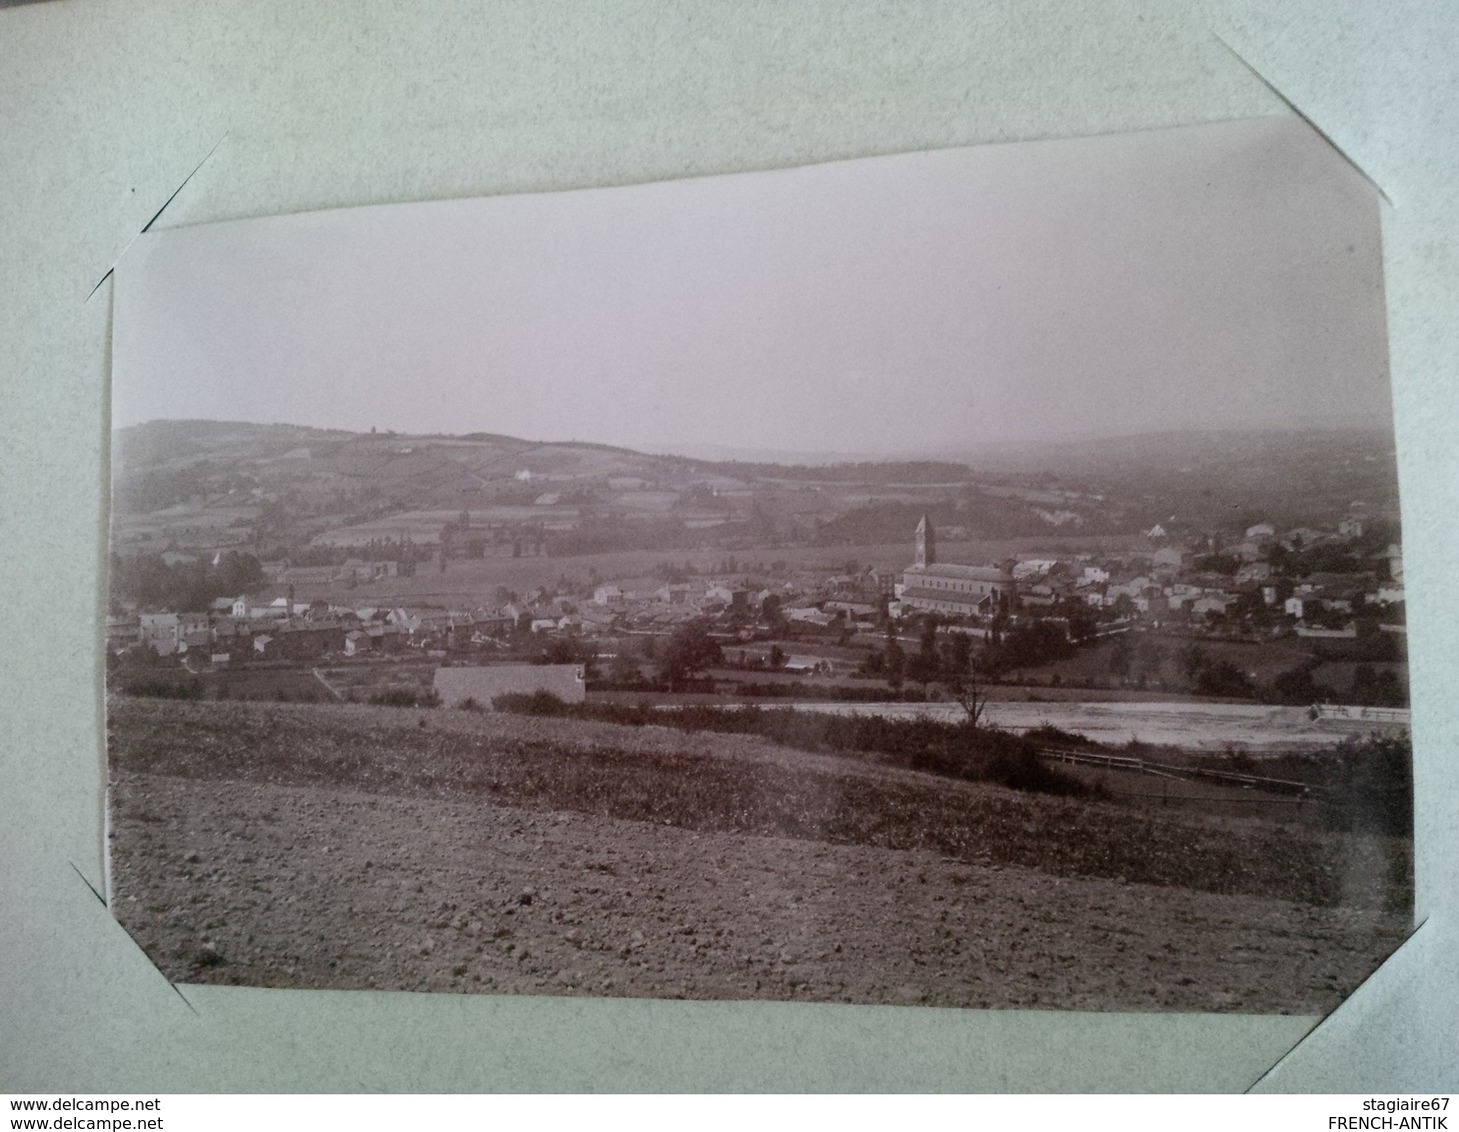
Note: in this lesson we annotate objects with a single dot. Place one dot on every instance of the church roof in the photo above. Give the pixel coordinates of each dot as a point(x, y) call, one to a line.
point(962, 573)
point(949, 597)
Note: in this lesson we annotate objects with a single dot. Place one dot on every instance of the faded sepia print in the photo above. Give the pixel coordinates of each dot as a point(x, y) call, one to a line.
point(968, 579)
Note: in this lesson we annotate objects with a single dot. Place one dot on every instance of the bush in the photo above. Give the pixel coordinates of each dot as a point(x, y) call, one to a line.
point(407, 697)
point(531, 703)
point(1370, 786)
point(952, 750)
point(160, 687)
point(1047, 733)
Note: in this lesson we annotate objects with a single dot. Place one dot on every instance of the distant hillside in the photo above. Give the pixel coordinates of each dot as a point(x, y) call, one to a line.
point(1215, 479)
point(276, 488)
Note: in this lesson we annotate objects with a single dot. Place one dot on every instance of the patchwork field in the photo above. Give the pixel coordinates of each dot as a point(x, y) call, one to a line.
point(345, 846)
point(467, 582)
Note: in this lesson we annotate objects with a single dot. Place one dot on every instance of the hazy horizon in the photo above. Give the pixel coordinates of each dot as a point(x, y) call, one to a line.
point(712, 453)
point(1211, 278)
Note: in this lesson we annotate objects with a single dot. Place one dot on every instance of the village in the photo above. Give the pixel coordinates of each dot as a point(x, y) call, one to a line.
point(1292, 616)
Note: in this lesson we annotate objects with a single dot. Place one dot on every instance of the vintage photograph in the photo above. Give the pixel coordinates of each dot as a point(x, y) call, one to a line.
point(970, 578)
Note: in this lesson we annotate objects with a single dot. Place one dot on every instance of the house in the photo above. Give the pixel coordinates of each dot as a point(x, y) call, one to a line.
point(852, 610)
point(593, 619)
point(159, 632)
point(481, 684)
point(300, 642)
point(809, 615)
point(1394, 554)
point(753, 657)
point(122, 631)
point(1171, 557)
point(195, 639)
point(403, 621)
point(1132, 589)
point(492, 621)
point(1303, 605)
point(1254, 572)
point(386, 638)
point(720, 594)
point(1346, 633)
point(1033, 568)
point(1212, 603)
point(1299, 537)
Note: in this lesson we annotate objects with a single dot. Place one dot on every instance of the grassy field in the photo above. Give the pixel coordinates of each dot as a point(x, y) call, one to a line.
point(1093, 665)
point(737, 784)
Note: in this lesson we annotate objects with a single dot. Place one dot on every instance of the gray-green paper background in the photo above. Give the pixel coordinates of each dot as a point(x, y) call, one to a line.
point(106, 108)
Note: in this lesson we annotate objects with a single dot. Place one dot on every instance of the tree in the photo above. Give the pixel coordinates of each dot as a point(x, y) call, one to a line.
point(929, 635)
point(970, 693)
point(895, 661)
point(624, 670)
point(924, 668)
point(689, 651)
point(1120, 657)
point(957, 653)
point(926, 665)
point(770, 611)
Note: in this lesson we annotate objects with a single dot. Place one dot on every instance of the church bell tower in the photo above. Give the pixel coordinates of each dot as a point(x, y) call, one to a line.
point(926, 544)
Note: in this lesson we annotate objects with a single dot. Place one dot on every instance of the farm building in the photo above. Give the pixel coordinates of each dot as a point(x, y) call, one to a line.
point(482, 683)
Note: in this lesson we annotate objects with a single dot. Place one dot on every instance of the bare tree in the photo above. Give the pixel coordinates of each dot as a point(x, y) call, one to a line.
point(970, 692)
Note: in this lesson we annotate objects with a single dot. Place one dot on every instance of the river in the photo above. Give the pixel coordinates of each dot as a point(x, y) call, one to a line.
point(1204, 726)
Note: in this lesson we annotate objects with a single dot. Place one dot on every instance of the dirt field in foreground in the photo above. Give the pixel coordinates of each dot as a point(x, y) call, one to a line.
point(253, 882)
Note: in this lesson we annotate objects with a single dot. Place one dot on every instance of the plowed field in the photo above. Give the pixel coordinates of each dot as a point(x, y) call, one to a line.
point(343, 846)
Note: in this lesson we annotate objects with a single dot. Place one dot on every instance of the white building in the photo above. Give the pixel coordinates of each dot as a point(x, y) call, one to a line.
point(940, 587)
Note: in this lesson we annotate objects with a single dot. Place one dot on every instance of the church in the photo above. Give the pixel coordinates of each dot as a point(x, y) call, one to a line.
point(957, 591)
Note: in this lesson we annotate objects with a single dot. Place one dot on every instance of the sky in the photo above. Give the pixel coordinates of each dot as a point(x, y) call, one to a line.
point(1211, 277)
